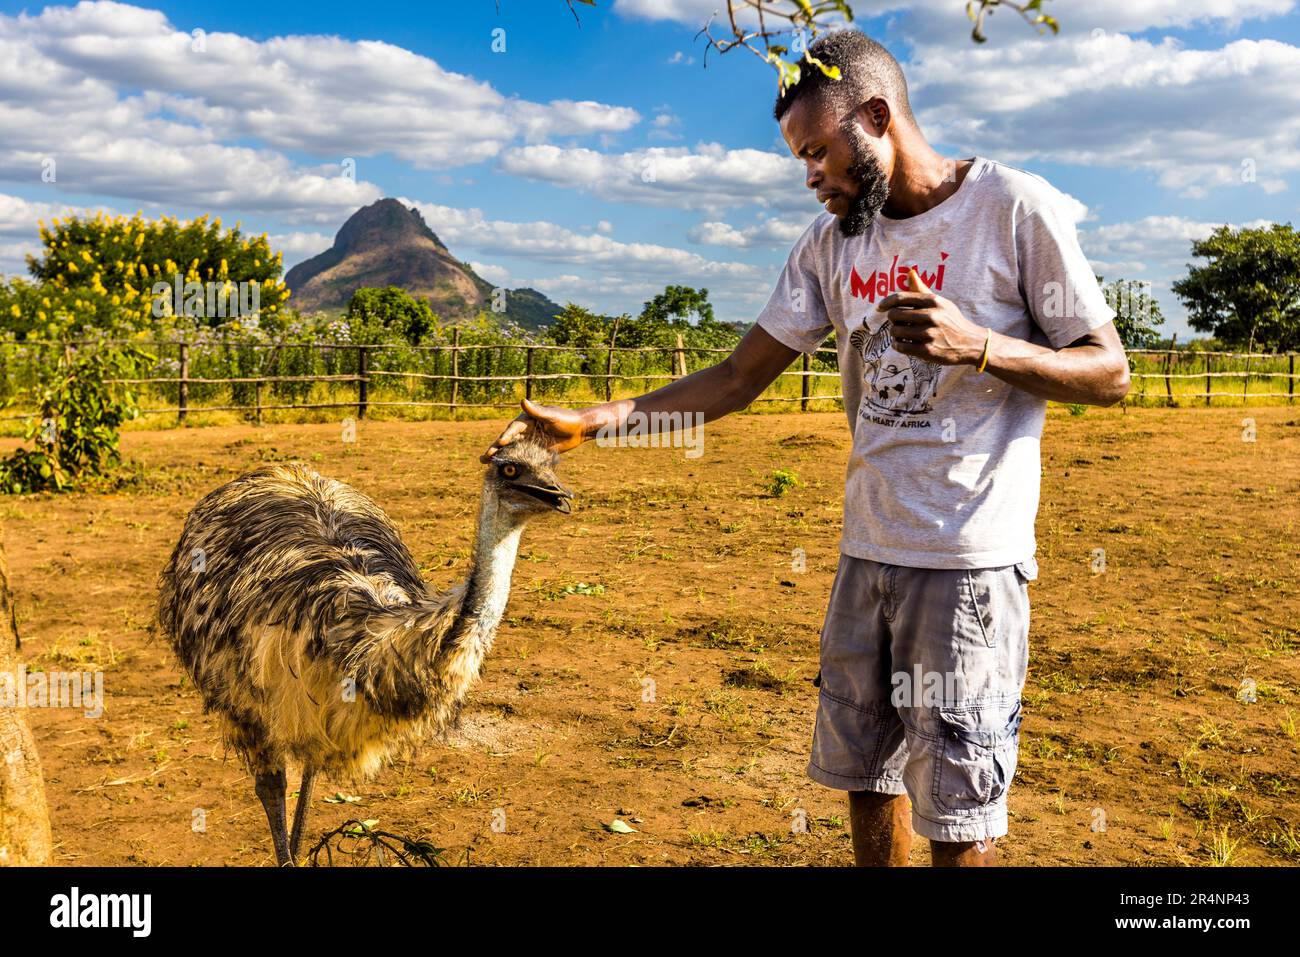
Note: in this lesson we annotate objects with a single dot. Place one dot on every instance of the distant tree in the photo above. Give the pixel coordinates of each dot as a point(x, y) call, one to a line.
point(670, 313)
point(580, 328)
point(1248, 294)
point(378, 315)
point(1136, 312)
point(677, 304)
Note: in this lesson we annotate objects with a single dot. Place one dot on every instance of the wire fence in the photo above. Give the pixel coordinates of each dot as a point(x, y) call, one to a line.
point(257, 378)
point(1191, 376)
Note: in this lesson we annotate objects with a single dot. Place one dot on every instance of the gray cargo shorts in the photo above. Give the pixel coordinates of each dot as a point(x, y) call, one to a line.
point(921, 675)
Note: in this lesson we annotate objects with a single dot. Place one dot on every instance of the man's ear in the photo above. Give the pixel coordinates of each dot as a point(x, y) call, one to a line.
point(875, 116)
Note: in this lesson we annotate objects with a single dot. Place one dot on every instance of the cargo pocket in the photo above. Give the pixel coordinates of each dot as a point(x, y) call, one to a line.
point(978, 756)
point(1027, 570)
point(980, 593)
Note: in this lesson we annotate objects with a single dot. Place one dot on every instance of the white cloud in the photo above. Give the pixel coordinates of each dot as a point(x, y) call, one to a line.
point(323, 94)
point(1114, 101)
point(1155, 249)
point(709, 176)
point(548, 242)
point(13, 258)
point(497, 275)
point(930, 17)
point(21, 217)
point(1161, 239)
point(128, 104)
point(301, 243)
point(769, 232)
point(20, 222)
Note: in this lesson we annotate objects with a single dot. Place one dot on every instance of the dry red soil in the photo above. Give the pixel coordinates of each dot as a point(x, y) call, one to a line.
point(679, 571)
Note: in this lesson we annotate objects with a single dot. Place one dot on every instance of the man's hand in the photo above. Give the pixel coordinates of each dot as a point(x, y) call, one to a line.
point(928, 326)
point(564, 428)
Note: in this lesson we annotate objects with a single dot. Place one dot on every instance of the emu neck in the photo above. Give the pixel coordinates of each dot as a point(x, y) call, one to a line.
point(496, 548)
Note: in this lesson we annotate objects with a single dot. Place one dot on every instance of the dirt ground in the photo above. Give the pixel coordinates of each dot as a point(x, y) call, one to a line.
point(675, 574)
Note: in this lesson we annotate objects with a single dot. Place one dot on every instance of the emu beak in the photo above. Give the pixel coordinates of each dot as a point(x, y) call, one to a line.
point(563, 499)
point(553, 493)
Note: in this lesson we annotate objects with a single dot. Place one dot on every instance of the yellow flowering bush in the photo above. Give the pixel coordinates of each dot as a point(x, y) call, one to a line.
point(101, 271)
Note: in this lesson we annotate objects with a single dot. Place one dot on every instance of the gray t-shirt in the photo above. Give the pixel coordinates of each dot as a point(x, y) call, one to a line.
point(944, 471)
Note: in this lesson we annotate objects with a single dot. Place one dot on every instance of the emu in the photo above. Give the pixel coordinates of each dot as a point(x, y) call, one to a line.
point(293, 604)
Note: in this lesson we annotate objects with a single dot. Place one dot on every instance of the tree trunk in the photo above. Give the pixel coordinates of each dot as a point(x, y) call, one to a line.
point(24, 819)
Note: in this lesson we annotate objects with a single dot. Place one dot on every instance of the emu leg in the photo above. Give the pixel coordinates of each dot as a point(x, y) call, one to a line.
point(269, 786)
point(300, 810)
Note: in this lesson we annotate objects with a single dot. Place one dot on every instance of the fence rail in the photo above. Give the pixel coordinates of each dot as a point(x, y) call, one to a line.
point(365, 377)
point(1206, 373)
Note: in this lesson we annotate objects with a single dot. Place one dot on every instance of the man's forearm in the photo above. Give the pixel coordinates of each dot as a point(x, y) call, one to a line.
point(1085, 374)
point(711, 393)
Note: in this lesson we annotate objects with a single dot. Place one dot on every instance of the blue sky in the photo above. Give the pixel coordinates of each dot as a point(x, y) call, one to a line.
point(600, 162)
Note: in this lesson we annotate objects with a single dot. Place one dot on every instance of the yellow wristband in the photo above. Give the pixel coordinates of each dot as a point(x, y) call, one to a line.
point(984, 356)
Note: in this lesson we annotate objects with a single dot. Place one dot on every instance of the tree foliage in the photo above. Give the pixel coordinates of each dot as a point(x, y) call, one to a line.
point(107, 272)
point(1248, 294)
point(678, 310)
point(380, 315)
point(76, 433)
point(755, 25)
point(1136, 312)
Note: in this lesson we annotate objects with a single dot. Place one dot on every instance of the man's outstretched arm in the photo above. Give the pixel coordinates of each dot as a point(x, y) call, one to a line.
point(726, 387)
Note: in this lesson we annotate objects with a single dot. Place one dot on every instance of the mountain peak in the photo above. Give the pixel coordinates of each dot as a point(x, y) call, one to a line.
point(386, 220)
point(390, 244)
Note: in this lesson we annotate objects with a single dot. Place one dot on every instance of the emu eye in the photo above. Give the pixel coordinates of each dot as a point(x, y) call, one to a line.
point(510, 470)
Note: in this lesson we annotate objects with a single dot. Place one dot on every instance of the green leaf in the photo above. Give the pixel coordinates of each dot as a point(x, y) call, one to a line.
point(618, 827)
point(340, 798)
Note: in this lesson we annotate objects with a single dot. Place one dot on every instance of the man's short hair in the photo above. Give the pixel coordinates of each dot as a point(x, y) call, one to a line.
point(867, 69)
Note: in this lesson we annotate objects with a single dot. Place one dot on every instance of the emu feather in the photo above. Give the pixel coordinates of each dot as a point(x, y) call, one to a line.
point(299, 613)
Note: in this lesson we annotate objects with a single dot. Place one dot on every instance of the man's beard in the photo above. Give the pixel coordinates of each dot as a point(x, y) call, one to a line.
point(873, 188)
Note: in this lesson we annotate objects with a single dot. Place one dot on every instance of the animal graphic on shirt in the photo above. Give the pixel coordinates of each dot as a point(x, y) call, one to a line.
point(888, 373)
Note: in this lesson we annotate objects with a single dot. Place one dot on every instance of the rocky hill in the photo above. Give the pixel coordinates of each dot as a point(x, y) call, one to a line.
point(388, 244)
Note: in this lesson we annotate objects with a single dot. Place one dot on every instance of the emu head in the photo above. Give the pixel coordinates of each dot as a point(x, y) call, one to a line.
point(522, 477)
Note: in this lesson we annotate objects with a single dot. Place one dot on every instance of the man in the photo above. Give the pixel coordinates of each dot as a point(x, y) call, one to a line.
point(961, 302)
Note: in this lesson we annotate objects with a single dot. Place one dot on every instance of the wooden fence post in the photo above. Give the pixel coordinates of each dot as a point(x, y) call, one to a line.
point(609, 361)
point(363, 383)
point(257, 389)
point(1290, 382)
point(528, 374)
point(183, 392)
point(679, 358)
point(1207, 378)
point(1169, 365)
point(455, 368)
point(804, 388)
